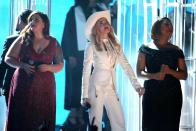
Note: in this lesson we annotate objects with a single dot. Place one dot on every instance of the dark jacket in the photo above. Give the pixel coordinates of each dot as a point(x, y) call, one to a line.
point(6, 72)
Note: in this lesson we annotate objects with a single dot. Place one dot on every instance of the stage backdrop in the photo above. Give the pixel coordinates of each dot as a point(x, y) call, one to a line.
point(135, 18)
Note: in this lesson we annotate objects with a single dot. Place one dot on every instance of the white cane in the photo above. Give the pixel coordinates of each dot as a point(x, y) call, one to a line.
point(140, 111)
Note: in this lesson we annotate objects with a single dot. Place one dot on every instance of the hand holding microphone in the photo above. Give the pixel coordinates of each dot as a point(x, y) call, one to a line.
point(86, 104)
point(28, 67)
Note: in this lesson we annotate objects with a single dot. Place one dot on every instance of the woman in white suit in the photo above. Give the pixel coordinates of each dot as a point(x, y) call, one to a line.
point(99, 87)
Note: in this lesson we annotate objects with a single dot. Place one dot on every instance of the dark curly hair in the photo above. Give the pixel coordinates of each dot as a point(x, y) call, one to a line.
point(24, 15)
point(156, 28)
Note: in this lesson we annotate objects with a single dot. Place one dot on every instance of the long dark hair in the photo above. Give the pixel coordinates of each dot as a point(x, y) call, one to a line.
point(24, 15)
point(28, 35)
point(45, 19)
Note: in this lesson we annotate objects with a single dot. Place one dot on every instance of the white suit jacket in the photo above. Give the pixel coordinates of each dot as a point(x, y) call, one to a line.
point(104, 69)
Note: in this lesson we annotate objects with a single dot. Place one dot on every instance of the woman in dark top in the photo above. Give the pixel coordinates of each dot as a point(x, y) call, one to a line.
point(162, 65)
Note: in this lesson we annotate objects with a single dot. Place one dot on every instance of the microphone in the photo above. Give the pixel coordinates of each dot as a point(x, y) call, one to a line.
point(86, 106)
point(29, 24)
point(31, 62)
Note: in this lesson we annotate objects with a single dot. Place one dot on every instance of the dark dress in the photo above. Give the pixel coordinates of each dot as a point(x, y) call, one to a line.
point(162, 101)
point(6, 72)
point(32, 98)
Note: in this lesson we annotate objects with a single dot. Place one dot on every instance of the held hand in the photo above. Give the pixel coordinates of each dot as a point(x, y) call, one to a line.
point(140, 91)
point(44, 67)
point(72, 62)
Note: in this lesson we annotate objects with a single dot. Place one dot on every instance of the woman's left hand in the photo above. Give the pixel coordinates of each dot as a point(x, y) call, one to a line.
point(44, 68)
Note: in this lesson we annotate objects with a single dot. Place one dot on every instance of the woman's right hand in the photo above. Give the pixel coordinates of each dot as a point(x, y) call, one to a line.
point(85, 102)
point(159, 76)
point(29, 69)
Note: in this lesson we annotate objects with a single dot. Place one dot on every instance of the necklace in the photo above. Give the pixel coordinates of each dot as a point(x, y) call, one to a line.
point(39, 50)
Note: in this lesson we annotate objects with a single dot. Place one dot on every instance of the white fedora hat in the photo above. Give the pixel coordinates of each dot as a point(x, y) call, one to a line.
point(93, 19)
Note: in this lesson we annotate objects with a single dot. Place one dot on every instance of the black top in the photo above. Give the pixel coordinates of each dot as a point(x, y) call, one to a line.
point(155, 58)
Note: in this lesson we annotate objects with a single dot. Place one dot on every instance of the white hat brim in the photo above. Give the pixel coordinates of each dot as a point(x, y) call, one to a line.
point(93, 19)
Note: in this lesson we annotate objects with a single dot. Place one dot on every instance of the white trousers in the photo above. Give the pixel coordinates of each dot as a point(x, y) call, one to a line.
point(113, 108)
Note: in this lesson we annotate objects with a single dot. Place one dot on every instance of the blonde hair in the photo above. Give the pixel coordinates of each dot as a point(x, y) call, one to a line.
point(95, 37)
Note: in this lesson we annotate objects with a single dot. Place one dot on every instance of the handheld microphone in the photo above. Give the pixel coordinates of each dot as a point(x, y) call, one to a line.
point(29, 24)
point(86, 106)
point(31, 62)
